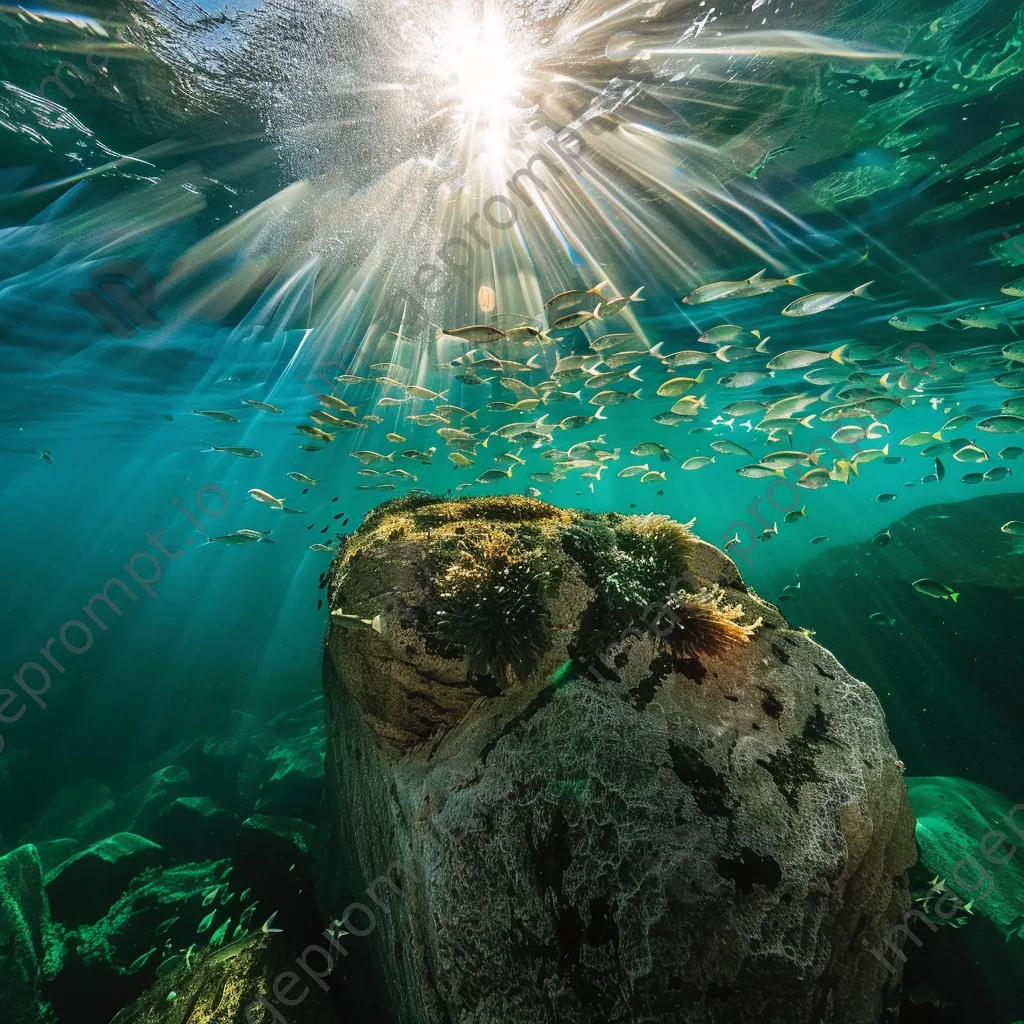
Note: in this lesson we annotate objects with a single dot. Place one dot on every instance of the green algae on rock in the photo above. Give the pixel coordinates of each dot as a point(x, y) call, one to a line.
point(635, 800)
point(28, 943)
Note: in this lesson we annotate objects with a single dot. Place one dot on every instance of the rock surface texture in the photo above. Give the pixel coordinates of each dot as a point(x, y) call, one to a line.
point(586, 776)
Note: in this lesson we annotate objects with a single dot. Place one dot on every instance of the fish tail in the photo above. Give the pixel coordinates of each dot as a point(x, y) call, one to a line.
point(532, 361)
point(806, 421)
point(885, 450)
point(862, 291)
point(597, 312)
point(837, 354)
point(761, 347)
point(636, 394)
point(635, 297)
point(794, 278)
point(599, 415)
point(700, 376)
point(633, 373)
point(391, 457)
point(953, 596)
point(596, 290)
point(815, 458)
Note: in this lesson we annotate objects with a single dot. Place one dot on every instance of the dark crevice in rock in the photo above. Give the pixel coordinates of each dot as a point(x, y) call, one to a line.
point(794, 765)
point(708, 788)
point(750, 869)
point(771, 705)
point(528, 712)
point(779, 653)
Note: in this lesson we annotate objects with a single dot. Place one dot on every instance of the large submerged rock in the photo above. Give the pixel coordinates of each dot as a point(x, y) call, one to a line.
point(565, 803)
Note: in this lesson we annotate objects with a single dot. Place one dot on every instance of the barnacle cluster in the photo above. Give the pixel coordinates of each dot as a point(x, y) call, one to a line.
point(703, 624)
point(491, 605)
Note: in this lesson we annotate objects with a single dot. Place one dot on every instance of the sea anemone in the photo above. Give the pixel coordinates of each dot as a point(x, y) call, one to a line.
point(659, 537)
point(703, 624)
point(491, 605)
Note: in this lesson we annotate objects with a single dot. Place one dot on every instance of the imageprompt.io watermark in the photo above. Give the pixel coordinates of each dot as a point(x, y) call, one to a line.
point(33, 679)
point(123, 297)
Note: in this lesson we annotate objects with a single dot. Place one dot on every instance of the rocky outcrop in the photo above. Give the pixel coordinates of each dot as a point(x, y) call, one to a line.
point(28, 947)
point(82, 889)
point(586, 776)
point(239, 984)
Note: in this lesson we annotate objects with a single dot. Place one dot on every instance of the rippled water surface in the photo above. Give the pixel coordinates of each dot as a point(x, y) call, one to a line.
point(226, 208)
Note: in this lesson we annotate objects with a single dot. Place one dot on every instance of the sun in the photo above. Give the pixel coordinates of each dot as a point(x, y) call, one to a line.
point(481, 66)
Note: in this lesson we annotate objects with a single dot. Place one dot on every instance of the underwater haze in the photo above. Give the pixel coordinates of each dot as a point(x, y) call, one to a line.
point(376, 376)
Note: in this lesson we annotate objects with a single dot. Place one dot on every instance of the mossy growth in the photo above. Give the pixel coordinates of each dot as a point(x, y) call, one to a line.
point(704, 625)
point(631, 562)
point(491, 606)
point(414, 518)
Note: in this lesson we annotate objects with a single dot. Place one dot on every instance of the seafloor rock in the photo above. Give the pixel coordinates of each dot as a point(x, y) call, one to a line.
point(28, 947)
point(82, 812)
point(937, 653)
point(193, 828)
point(53, 852)
point(105, 967)
point(694, 820)
point(954, 817)
point(82, 889)
point(150, 797)
point(225, 986)
point(296, 785)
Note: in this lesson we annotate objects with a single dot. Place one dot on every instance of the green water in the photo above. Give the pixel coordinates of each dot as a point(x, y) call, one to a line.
point(218, 205)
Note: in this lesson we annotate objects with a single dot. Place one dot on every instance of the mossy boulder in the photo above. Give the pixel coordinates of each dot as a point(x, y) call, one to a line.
point(624, 790)
point(159, 913)
point(29, 947)
point(227, 986)
point(954, 818)
point(81, 890)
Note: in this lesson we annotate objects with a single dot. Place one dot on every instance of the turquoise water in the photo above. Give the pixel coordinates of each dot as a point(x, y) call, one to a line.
point(247, 207)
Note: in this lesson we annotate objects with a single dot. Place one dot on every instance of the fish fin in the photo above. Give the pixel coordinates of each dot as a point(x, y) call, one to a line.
point(268, 928)
point(597, 312)
point(862, 291)
point(531, 360)
point(633, 373)
point(815, 457)
point(756, 334)
point(655, 350)
point(806, 421)
point(761, 348)
point(885, 450)
point(702, 402)
point(793, 278)
point(757, 277)
point(635, 297)
point(836, 355)
point(937, 435)
point(636, 394)
point(599, 415)
point(953, 597)
point(700, 376)
point(596, 290)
